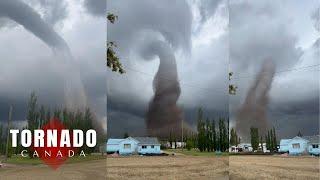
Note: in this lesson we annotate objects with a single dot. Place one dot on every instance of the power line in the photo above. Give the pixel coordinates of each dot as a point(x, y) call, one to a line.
point(214, 90)
point(130, 67)
point(278, 72)
point(184, 84)
point(196, 93)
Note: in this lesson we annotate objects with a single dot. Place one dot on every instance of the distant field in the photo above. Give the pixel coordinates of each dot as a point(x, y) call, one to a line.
point(274, 167)
point(167, 167)
point(195, 152)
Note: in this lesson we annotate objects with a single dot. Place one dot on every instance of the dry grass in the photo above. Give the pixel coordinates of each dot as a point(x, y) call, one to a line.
point(273, 167)
point(77, 171)
point(172, 167)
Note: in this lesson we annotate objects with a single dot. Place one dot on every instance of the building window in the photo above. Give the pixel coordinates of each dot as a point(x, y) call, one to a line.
point(315, 146)
point(144, 147)
point(127, 146)
point(152, 146)
point(296, 146)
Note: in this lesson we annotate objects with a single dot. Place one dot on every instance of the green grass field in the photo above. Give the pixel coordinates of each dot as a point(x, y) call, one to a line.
point(194, 152)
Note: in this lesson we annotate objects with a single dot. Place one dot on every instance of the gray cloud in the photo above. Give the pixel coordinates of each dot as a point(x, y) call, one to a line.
point(53, 11)
point(29, 65)
point(261, 30)
point(96, 7)
point(316, 18)
point(203, 81)
point(27, 17)
point(208, 8)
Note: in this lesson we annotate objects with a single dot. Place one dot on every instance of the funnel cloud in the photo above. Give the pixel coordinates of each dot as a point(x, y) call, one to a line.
point(253, 112)
point(163, 114)
point(24, 15)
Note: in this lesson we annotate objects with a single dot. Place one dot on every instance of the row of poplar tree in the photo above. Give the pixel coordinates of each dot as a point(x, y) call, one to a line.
point(270, 139)
point(37, 116)
point(209, 137)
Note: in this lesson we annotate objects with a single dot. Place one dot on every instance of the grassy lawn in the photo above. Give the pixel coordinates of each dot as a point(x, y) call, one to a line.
point(194, 152)
point(17, 159)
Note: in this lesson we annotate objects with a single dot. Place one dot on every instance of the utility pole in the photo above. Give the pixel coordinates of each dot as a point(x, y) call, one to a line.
point(8, 132)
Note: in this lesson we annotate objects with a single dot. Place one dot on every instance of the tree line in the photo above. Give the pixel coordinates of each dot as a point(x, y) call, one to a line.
point(257, 141)
point(209, 137)
point(37, 116)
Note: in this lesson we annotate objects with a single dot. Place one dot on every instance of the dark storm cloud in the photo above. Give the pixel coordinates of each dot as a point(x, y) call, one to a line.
point(19, 109)
point(138, 23)
point(292, 117)
point(172, 19)
point(260, 30)
point(204, 66)
point(251, 41)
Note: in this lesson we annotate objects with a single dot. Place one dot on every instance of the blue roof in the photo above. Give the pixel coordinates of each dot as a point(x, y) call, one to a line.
point(114, 141)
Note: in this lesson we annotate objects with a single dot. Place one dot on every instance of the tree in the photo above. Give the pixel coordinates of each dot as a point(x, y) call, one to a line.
point(201, 130)
point(189, 144)
point(214, 135)
point(268, 140)
point(113, 61)
point(2, 145)
point(274, 140)
point(208, 136)
point(271, 140)
point(32, 114)
point(170, 139)
point(254, 133)
point(261, 143)
point(223, 136)
point(299, 134)
point(42, 116)
point(233, 137)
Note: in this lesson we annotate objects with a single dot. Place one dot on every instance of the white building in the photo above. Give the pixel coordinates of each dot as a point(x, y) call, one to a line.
point(246, 147)
point(301, 145)
point(134, 145)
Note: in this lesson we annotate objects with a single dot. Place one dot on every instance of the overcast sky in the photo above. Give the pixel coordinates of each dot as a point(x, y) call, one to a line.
point(286, 33)
point(201, 50)
point(28, 64)
point(208, 37)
